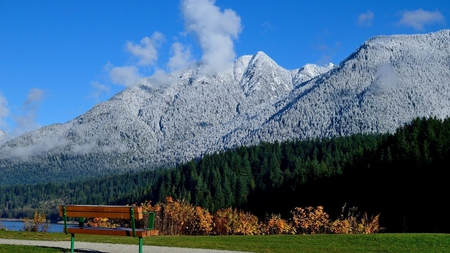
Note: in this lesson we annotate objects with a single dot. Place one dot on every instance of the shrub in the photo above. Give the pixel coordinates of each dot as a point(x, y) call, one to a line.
point(228, 221)
point(38, 223)
point(310, 220)
point(354, 223)
point(104, 222)
point(201, 222)
point(175, 217)
point(275, 225)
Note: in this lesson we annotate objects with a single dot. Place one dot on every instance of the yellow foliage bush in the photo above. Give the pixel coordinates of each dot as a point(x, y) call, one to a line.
point(354, 223)
point(310, 220)
point(38, 223)
point(177, 217)
point(275, 225)
point(230, 221)
point(103, 222)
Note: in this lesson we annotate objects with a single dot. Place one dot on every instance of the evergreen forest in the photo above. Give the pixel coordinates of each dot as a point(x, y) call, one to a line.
point(401, 176)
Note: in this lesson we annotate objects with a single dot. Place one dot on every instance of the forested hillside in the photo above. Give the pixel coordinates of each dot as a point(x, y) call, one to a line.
point(400, 175)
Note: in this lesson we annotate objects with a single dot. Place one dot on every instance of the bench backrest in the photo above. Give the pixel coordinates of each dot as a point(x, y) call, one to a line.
point(111, 212)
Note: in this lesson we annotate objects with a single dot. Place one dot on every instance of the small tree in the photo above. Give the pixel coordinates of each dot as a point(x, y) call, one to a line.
point(38, 223)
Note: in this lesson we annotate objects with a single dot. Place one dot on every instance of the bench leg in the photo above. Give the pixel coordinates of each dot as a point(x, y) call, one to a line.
point(140, 244)
point(72, 243)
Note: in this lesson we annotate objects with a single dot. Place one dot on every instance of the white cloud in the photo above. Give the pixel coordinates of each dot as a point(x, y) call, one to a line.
point(419, 18)
point(146, 52)
point(181, 57)
point(215, 31)
point(125, 75)
point(98, 90)
point(159, 78)
point(26, 121)
point(44, 145)
point(386, 80)
point(365, 19)
point(4, 111)
point(34, 97)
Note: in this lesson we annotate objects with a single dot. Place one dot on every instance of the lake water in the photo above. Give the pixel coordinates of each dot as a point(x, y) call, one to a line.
point(17, 225)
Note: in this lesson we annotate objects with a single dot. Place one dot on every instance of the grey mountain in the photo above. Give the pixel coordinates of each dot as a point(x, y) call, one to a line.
point(386, 83)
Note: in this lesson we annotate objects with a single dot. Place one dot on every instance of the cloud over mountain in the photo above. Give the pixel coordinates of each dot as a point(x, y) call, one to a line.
point(365, 19)
point(417, 19)
point(215, 31)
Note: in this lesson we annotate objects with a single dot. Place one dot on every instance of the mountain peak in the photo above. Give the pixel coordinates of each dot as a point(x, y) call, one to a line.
point(309, 71)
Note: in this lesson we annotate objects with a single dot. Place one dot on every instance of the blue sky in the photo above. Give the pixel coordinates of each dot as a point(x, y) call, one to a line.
point(60, 58)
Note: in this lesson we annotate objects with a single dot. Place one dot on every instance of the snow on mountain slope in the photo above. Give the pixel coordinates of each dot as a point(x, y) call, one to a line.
point(309, 71)
point(150, 124)
point(387, 82)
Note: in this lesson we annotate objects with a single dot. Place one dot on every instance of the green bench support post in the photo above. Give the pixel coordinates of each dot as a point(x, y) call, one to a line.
point(65, 219)
point(133, 223)
point(133, 227)
point(72, 236)
point(151, 221)
point(72, 243)
point(81, 222)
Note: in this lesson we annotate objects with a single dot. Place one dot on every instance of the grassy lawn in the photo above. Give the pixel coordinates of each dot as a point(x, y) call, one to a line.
point(282, 244)
point(27, 249)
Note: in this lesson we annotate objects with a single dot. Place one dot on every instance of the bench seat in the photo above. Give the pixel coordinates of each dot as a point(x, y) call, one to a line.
point(119, 231)
point(130, 213)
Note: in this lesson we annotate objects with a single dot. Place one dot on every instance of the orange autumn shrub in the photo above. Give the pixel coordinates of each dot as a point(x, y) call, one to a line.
point(177, 217)
point(201, 222)
point(310, 220)
point(230, 221)
point(354, 223)
point(275, 225)
point(103, 222)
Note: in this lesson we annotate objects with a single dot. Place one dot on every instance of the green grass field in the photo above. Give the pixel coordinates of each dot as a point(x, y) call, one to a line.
point(26, 249)
point(264, 244)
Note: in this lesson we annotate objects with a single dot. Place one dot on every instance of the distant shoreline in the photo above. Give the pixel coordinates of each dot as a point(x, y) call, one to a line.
point(9, 219)
point(21, 220)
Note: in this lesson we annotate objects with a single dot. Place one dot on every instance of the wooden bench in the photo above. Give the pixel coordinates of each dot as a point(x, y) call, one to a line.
point(112, 212)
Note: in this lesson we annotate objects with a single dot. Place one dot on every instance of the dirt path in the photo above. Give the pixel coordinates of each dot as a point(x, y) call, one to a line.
point(89, 247)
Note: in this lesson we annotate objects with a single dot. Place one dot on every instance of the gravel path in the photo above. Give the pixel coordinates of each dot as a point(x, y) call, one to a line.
point(89, 247)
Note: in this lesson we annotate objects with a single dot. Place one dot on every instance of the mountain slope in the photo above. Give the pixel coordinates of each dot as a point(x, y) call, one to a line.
point(387, 82)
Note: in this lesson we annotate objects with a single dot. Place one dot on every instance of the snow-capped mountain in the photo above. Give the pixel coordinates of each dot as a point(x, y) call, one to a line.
point(387, 82)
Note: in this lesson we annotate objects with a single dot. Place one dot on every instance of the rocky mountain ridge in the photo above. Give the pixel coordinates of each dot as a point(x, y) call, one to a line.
point(387, 82)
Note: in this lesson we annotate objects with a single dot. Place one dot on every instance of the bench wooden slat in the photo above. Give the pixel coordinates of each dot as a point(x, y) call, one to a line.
point(99, 214)
point(112, 212)
point(112, 231)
